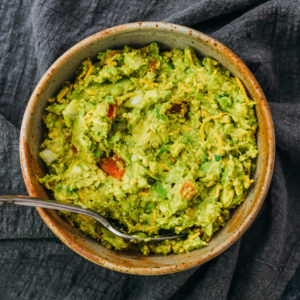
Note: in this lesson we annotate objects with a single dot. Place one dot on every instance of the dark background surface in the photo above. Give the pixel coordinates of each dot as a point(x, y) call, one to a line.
point(263, 264)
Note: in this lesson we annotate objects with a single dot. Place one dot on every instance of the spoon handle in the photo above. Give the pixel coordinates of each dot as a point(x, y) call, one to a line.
point(51, 204)
point(37, 202)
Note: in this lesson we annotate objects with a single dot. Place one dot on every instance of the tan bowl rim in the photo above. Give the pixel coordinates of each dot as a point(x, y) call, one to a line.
point(61, 233)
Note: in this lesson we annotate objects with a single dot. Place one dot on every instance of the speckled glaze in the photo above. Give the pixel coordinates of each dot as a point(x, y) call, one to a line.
point(140, 34)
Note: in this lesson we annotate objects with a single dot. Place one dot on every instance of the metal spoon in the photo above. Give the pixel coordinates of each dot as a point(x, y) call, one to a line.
point(31, 201)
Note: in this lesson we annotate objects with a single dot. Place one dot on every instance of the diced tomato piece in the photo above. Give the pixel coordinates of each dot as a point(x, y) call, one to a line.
point(188, 190)
point(113, 166)
point(75, 150)
point(112, 110)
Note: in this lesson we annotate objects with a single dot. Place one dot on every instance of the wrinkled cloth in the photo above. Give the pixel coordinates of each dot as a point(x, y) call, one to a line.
point(263, 264)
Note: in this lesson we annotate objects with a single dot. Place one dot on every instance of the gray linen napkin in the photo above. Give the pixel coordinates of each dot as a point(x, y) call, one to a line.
point(34, 264)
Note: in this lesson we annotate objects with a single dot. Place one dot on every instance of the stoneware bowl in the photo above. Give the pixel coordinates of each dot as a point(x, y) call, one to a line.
point(141, 34)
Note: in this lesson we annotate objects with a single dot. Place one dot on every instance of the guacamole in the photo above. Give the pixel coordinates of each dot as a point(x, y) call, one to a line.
point(161, 142)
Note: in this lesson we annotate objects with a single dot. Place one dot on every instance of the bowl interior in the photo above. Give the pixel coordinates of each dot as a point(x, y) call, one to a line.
point(141, 34)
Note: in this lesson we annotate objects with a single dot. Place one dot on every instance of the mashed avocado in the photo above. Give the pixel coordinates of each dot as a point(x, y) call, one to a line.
point(161, 142)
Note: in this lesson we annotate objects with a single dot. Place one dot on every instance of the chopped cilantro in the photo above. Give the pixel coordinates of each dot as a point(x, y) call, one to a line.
point(218, 157)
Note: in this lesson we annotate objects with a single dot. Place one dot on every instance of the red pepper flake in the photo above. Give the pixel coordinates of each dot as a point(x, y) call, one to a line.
point(111, 54)
point(188, 190)
point(176, 108)
point(113, 166)
point(68, 137)
point(112, 110)
point(75, 150)
point(153, 65)
point(179, 108)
